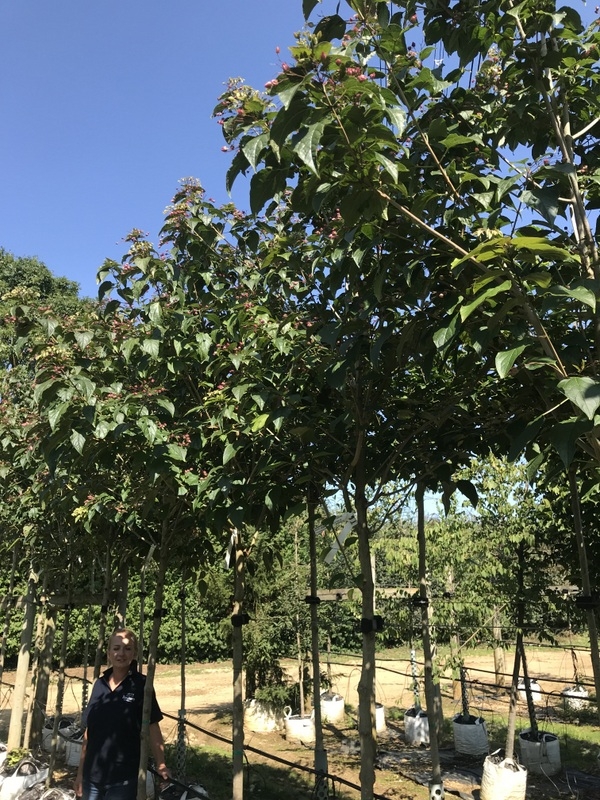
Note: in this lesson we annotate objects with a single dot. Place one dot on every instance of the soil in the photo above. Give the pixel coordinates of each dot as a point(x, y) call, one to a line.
point(403, 771)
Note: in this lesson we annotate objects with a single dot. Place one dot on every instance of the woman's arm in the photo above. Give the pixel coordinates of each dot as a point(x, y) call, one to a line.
point(157, 748)
point(78, 783)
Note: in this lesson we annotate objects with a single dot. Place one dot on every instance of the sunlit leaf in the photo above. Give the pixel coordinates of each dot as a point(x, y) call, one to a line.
point(505, 360)
point(582, 392)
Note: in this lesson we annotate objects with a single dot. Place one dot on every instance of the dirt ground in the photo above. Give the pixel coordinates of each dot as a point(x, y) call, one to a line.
point(403, 769)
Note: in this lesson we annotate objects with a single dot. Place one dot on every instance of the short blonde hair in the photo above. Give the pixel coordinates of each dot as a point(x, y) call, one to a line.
point(127, 632)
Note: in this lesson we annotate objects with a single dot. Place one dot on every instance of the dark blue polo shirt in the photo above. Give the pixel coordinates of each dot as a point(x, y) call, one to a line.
point(114, 721)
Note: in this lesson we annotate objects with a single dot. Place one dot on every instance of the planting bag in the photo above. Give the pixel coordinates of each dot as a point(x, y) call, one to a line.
point(470, 736)
point(27, 774)
point(503, 780)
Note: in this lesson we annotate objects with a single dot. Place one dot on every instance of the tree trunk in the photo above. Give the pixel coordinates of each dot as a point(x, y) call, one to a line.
point(514, 695)
point(141, 635)
point(366, 685)
point(432, 698)
point(6, 608)
point(321, 767)
point(120, 620)
point(585, 583)
point(19, 693)
point(181, 747)
point(35, 673)
point(43, 681)
point(151, 669)
point(238, 659)
point(106, 590)
point(499, 666)
point(511, 725)
point(60, 692)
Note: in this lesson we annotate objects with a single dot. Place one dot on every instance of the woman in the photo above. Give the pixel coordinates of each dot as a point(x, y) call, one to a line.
point(110, 755)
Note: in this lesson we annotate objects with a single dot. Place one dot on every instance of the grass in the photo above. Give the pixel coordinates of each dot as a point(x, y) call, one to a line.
point(211, 768)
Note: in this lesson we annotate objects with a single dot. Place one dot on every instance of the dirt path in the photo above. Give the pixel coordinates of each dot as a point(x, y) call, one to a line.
point(209, 698)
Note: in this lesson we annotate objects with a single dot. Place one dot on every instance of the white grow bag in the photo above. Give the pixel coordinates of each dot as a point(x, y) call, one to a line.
point(503, 780)
point(470, 737)
point(541, 757)
point(299, 728)
point(416, 726)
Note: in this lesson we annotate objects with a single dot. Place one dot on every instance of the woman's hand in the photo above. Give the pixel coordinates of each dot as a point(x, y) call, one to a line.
point(164, 772)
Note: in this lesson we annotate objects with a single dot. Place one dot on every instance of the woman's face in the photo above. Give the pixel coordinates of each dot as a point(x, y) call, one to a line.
point(121, 650)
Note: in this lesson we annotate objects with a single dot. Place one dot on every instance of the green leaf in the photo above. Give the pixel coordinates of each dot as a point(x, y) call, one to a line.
point(239, 391)
point(543, 248)
point(41, 388)
point(397, 118)
point(306, 147)
point(177, 452)
point(583, 393)
point(388, 165)
point(151, 346)
point(102, 430)
point(78, 441)
point(166, 404)
point(308, 6)
point(149, 428)
point(579, 293)
point(254, 148)
point(155, 312)
point(85, 386)
point(544, 201)
point(523, 437)
point(229, 452)
point(259, 422)
point(564, 438)
point(505, 360)
point(56, 413)
point(83, 338)
point(469, 491)
point(467, 310)
point(443, 336)
point(383, 15)
point(331, 27)
point(456, 139)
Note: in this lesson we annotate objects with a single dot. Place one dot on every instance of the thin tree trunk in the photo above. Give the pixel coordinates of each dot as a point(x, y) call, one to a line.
point(106, 590)
point(509, 750)
point(60, 691)
point(43, 682)
point(141, 635)
point(585, 583)
point(6, 608)
point(151, 668)
point(514, 693)
point(321, 767)
point(366, 685)
point(499, 665)
point(120, 620)
point(238, 660)
point(15, 729)
point(181, 747)
point(35, 672)
point(431, 697)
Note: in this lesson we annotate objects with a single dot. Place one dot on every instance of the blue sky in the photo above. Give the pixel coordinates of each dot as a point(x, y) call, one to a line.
point(106, 105)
